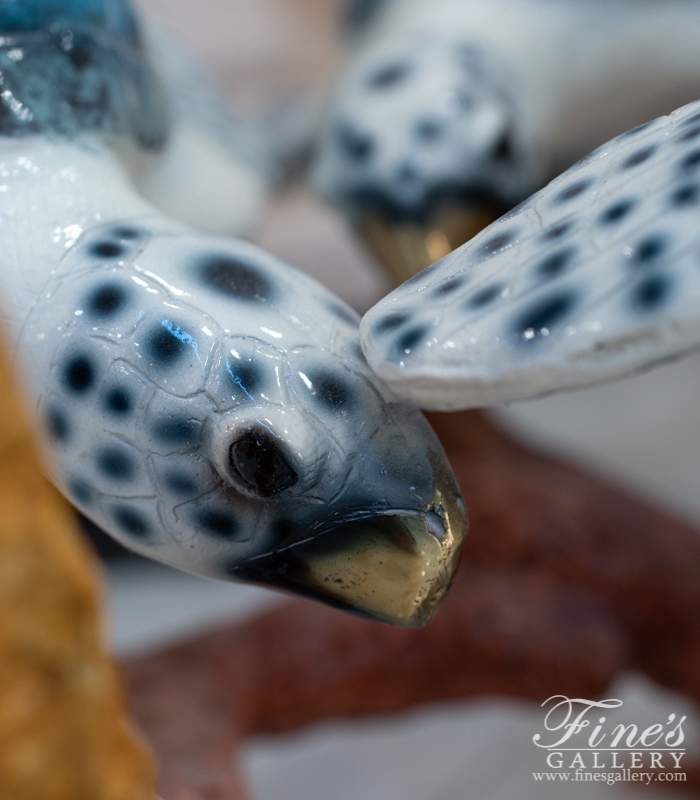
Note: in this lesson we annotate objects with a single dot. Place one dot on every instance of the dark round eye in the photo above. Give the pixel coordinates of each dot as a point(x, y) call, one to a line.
point(258, 457)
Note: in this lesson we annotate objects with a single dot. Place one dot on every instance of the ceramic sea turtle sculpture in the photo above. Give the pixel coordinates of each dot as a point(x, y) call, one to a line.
point(206, 404)
point(595, 277)
point(450, 112)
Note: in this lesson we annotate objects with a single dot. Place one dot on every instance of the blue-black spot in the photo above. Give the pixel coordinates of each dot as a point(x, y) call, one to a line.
point(496, 243)
point(557, 231)
point(428, 130)
point(693, 133)
point(180, 483)
point(247, 376)
point(648, 249)
point(651, 293)
point(218, 523)
point(449, 287)
point(79, 374)
point(617, 211)
point(58, 425)
point(391, 321)
point(544, 315)
point(690, 162)
point(691, 119)
point(80, 491)
point(107, 250)
point(107, 300)
point(329, 389)
point(118, 401)
point(131, 522)
point(163, 346)
point(259, 459)
point(236, 278)
point(687, 195)
point(345, 314)
point(639, 157)
point(556, 263)
point(410, 339)
point(176, 432)
point(485, 296)
point(355, 145)
point(127, 232)
point(571, 192)
point(389, 75)
point(634, 131)
point(115, 464)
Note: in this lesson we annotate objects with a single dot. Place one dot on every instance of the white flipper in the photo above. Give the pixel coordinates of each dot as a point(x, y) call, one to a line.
point(593, 278)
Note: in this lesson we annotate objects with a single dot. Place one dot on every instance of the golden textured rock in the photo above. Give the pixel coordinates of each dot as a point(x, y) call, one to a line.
point(64, 734)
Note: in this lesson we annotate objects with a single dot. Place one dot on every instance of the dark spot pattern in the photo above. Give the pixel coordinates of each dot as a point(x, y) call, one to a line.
point(428, 130)
point(247, 376)
point(390, 322)
point(127, 232)
point(639, 157)
point(258, 458)
point(557, 231)
point(236, 279)
point(543, 316)
point(107, 250)
point(131, 522)
point(163, 346)
point(220, 524)
point(107, 300)
point(556, 263)
point(356, 146)
point(58, 425)
point(118, 401)
point(571, 192)
point(449, 287)
point(330, 390)
point(79, 374)
point(496, 243)
point(115, 464)
point(408, 341)
point(648, 249)
point(634, 131)
point(176, 432)
point(690, 162)
point(691, 119)
point(389, 75)
point(617, 212)
point(687, 195)
point(691, 134)
point(485, 296)
point(651, 293)
point(80, 491)
point(345, 314)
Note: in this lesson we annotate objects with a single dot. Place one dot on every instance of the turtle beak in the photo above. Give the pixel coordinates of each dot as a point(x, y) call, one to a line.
point(405, 247)
point(393, 566)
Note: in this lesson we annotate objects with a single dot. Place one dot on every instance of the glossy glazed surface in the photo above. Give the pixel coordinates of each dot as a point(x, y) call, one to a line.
point(592, 278)
point(208, 405)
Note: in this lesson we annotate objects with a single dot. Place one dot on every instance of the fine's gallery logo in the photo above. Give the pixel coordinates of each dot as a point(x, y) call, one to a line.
point(583, 744)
